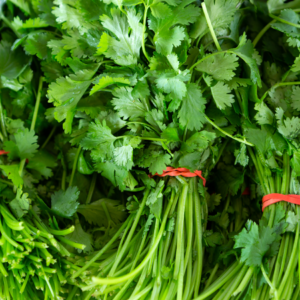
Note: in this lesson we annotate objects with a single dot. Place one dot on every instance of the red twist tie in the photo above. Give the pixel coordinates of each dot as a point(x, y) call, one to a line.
point(170, 171)
point(274, 198)
point(2, 152)
point(246, 191)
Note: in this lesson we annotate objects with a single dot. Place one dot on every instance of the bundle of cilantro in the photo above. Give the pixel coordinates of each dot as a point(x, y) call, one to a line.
point(268, 266)
point(139, 86)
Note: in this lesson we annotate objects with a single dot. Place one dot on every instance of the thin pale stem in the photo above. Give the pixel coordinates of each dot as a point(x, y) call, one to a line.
point(92, 189)
point(210, 26)
point(275, 86)
point(75, 166)
point(284, 21)
point(262, 32)
point(144, 30)
point(227, 134)
point(49, 137)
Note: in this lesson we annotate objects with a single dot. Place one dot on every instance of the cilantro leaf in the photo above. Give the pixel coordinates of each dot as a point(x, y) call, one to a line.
point(221, 95)
point(241, 156)
point(124, 156)
point(36, 44)
point(20, 205)
point(81, 237)
point(245, 51)
point(64, 203)
point(94, 213)
point(126, 104)
point(99, 135)
point(12, 63)
point(264, 115)
point(24, 144)
point(221, 14)
point(12, 172)
point(173, 84)
point(220, 67)
point(167, 32)
point(106, 81)
point(288, 127)
point(125, 50)
point(255, 243)
point(69, 16)
point(66, 92)
point(296, 98)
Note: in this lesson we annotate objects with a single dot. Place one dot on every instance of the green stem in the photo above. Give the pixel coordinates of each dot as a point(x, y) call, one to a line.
point(110, 281)
point(92, 188)
point(37, 104)
point(6, 182)
point(198, 230)
point(227, 275)
point(289, 270)
point(74, 166)
point(227, 134)
point(33, 122)
point(244, 282)
point(64, 174)
point(284, 21)
point(2, 121)
point(71, 243)
point(180, 224)
point(62, 232)
point(275, 86)
point(262, 32)
point(144, 30)
point(73, 292)
point(260, 176)
point(211, 29)
point(49, 137)
point(211, 276)
point(273, 289)
point(102, 251)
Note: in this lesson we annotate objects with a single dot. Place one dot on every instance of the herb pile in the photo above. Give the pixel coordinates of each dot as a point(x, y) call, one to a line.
point(98, 98)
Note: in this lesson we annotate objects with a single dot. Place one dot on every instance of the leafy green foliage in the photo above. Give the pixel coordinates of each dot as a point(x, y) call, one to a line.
point(255, 243)
point(65, 94)
point(125, 49)
point(12, 63)
point(191, 113)
point(221, 14)
point(168, 33)
point(220, 67)
point(82, 237)
point(24, 145)
point(94, 213)
point(221, 95)
point(20, 205)
point(64, 203)
point(12, 172)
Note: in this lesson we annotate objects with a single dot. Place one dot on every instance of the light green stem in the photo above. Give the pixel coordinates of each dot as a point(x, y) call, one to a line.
point(262, 32)
point(284, 21)
point(144, 30)
point(227, 134)
point(275, 86)
point(273, 289)
point(74, 166)
point(211, 29)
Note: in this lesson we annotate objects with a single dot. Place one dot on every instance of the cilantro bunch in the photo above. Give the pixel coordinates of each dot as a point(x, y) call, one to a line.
point(125, 89)
point(268, 260)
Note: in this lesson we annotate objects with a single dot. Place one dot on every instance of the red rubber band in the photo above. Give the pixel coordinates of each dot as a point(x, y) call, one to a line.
point(170, 171)
point(246, 191)
point(274, 198)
